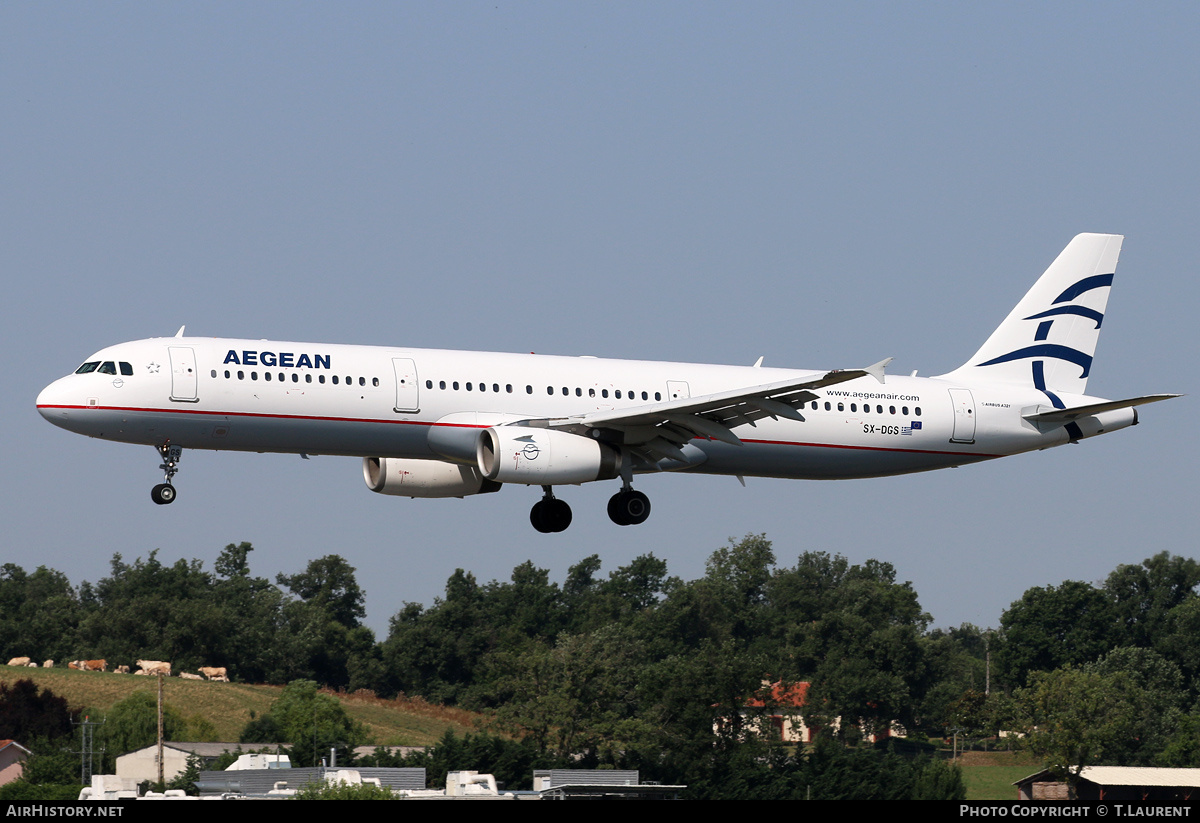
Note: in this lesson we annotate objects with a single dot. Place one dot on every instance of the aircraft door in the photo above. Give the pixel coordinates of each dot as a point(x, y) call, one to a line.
point(677, 390)
point(183, 374)
point(964, 416)
point(407, 387)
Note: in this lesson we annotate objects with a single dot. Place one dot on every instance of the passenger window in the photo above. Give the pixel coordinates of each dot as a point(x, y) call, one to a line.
point(308, 378)
point(508, 387)
point(841, 407)
point(227, 374)
point(891, 409)
point(267, 376)
point(253, 375)
point(441, 384)
point(904, 409)
point(618, 394)
point(496, 388)
point(591, 392)
point(335, 380)
point(578, 392)
point(468, 386)
point(321, 378)
point(879, 409)
point(454, 385)
point(918, 411)
point(529, 389)
point(429, 384)
point(295, 377)
point(604, 392)
point(566, 391)
point(241, 375)
point(853, 407)
point(214, 372)
point(645, 396)
point(658, 395)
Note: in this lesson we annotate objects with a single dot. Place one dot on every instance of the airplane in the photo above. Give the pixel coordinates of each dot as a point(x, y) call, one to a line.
point(438, 423)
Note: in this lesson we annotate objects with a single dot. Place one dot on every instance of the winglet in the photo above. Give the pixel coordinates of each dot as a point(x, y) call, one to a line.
point(758, 362)
point(180, 332)
point(876, 370)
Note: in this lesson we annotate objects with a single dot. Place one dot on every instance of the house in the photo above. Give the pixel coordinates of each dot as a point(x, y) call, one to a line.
point(775, 710)
point(12, 756)
point(1115, 784)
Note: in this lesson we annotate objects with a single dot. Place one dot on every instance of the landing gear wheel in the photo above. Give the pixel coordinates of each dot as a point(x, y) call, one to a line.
point(550, 515)
point(164, 493)
point(628, 508)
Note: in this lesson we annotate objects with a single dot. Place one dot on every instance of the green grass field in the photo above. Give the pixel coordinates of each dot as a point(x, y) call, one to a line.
point(990, 775)
point(228, 705)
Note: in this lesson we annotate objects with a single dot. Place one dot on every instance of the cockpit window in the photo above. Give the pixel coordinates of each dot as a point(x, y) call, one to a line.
point(88, 368)
point(107, 367)
point(126, 368)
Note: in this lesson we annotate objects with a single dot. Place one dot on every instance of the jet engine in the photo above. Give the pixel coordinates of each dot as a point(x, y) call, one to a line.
point(543, 457)
point(424, 478)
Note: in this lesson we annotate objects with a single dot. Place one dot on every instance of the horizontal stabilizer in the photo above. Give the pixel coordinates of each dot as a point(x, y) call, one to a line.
point(1067, 415)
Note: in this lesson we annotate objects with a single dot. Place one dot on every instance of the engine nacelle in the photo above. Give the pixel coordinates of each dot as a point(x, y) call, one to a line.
point(424, 478)
point(543, 457)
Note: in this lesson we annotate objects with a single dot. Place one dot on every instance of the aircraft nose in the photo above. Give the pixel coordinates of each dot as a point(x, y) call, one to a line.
point(52, 402)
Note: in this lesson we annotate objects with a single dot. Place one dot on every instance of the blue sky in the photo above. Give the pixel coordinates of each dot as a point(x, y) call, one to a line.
point(822, 184)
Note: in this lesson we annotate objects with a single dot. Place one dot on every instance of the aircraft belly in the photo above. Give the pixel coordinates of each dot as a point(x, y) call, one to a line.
point(253, 432)
point(811, 461)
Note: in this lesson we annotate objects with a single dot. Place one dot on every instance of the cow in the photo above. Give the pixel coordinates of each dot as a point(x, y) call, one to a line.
point(49, 664)
point(154, 667)
point(74, 664)
point(190, 676)
point(19, 661)
point(121, 670)
point(214, 673)
point(94, 665)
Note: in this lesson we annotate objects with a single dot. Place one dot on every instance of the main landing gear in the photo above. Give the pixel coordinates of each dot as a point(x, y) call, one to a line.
point(164, 493)
point(626, 508)
point(550, 514)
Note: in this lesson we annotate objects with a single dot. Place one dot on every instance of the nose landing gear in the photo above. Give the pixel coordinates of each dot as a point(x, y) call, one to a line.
point(164, 493)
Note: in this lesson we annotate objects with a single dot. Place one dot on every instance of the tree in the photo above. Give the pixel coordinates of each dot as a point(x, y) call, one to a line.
point(1075, 717)
point(27, 713)
point(855, 634)
point(313, 723)
point(1050, 627)
point(1143, 595)
point(329, 583)
point(132, 724)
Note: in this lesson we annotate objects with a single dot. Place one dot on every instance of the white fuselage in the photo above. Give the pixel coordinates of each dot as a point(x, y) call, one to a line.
point(266, 396)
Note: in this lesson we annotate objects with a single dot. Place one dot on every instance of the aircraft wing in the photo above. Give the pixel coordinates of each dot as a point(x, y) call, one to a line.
point(661, 428)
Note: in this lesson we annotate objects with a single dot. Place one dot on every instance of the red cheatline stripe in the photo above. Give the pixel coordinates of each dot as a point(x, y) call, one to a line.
point(480, 426)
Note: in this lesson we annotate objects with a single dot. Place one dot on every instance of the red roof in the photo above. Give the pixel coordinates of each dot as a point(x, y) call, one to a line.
point(793, 696)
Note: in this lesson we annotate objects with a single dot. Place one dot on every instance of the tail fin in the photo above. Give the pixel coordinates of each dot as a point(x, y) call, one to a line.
point(1048, 341)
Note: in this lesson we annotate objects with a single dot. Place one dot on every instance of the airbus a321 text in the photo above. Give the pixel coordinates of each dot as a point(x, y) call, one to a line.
point(434, 423)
